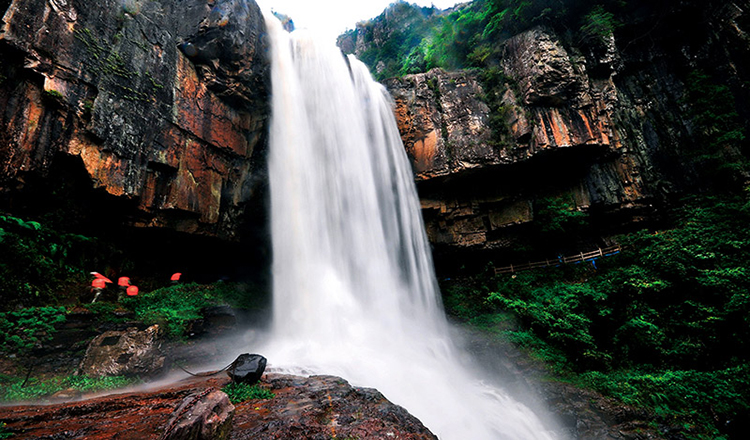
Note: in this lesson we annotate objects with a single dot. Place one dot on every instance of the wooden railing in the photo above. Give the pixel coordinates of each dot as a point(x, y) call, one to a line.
point(577, 258)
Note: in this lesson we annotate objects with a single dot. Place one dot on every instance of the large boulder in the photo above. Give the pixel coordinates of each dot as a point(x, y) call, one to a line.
point(129, 353)
point(205, 415)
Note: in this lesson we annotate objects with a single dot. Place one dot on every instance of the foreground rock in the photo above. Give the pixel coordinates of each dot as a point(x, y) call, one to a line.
point(204, 415)
point(322, 407)
point(247, 368)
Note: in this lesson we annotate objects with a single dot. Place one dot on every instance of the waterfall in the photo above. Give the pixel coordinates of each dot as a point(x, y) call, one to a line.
point(355, 293)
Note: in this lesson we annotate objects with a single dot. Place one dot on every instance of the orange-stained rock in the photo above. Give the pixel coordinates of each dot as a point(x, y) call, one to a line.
point(314, 407)
point(559, 140)
point(165, 134)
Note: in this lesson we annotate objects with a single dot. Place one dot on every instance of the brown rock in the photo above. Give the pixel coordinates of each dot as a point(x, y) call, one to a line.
point(206, 415)
point(304, 408)
point(105, 85)
point(559, 141)
point(324, 407)
point(129, 352)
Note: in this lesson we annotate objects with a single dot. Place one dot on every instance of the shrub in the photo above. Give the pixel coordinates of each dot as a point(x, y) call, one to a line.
point(174, 306)
point(664, 325)
point(26, 329)
point(36, 262)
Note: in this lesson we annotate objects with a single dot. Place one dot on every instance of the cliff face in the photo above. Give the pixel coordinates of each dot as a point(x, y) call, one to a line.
point(160, 105)
point(604, 124)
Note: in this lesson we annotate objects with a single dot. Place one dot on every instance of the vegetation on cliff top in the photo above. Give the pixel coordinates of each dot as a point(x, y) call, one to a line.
point(418, 39)
point(664, 326)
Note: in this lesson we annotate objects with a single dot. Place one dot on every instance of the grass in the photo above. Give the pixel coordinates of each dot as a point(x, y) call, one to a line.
point(14, 389)
point(240, 392)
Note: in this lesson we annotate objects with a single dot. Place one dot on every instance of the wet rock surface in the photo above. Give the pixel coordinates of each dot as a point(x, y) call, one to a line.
point(324, 407)
point(304, 408)
point(247, 368)
point(205, 415)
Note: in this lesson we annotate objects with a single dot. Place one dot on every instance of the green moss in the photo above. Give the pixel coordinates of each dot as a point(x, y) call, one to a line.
point(108, 62)
point(241, 392)
point(53, 95)
point(15, 390)
point(4, 433)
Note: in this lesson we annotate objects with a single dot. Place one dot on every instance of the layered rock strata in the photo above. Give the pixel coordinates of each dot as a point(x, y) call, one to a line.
point(163, 104)
point(603, 125)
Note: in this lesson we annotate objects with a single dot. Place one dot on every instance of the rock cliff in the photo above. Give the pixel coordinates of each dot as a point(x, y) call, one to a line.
point(159, 109)
point(158, 105)
point(604, 124)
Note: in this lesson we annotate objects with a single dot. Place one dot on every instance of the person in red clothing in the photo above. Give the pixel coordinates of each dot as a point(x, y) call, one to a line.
point(122, 283)
point(97, 286)
point(175, 278)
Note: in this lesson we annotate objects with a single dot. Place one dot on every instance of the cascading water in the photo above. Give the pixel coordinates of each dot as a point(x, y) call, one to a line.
point(354, 290)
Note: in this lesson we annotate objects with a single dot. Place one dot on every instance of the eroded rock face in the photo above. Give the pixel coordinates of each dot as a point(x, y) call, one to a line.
point(129, 353)
point(179, 134)
point(603, 128)
point(325, 407)
point(304, 408)
point(204, 415)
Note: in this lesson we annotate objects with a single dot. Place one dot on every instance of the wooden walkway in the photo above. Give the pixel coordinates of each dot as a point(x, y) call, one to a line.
point(577, 258)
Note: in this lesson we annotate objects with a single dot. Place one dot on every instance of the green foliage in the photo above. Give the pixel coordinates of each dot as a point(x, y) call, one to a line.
point(16, 391)
point(53, 95)
point(173, 307)
point(26, 329)
point(558, 215)
point(599, 23)
point(471, 35)
point(495, 82)
point(240, 392)
point(405, 49)
point(36, 261)
point(665, 325)
point(717, 127)
point(691, 397)
point(4, 432)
